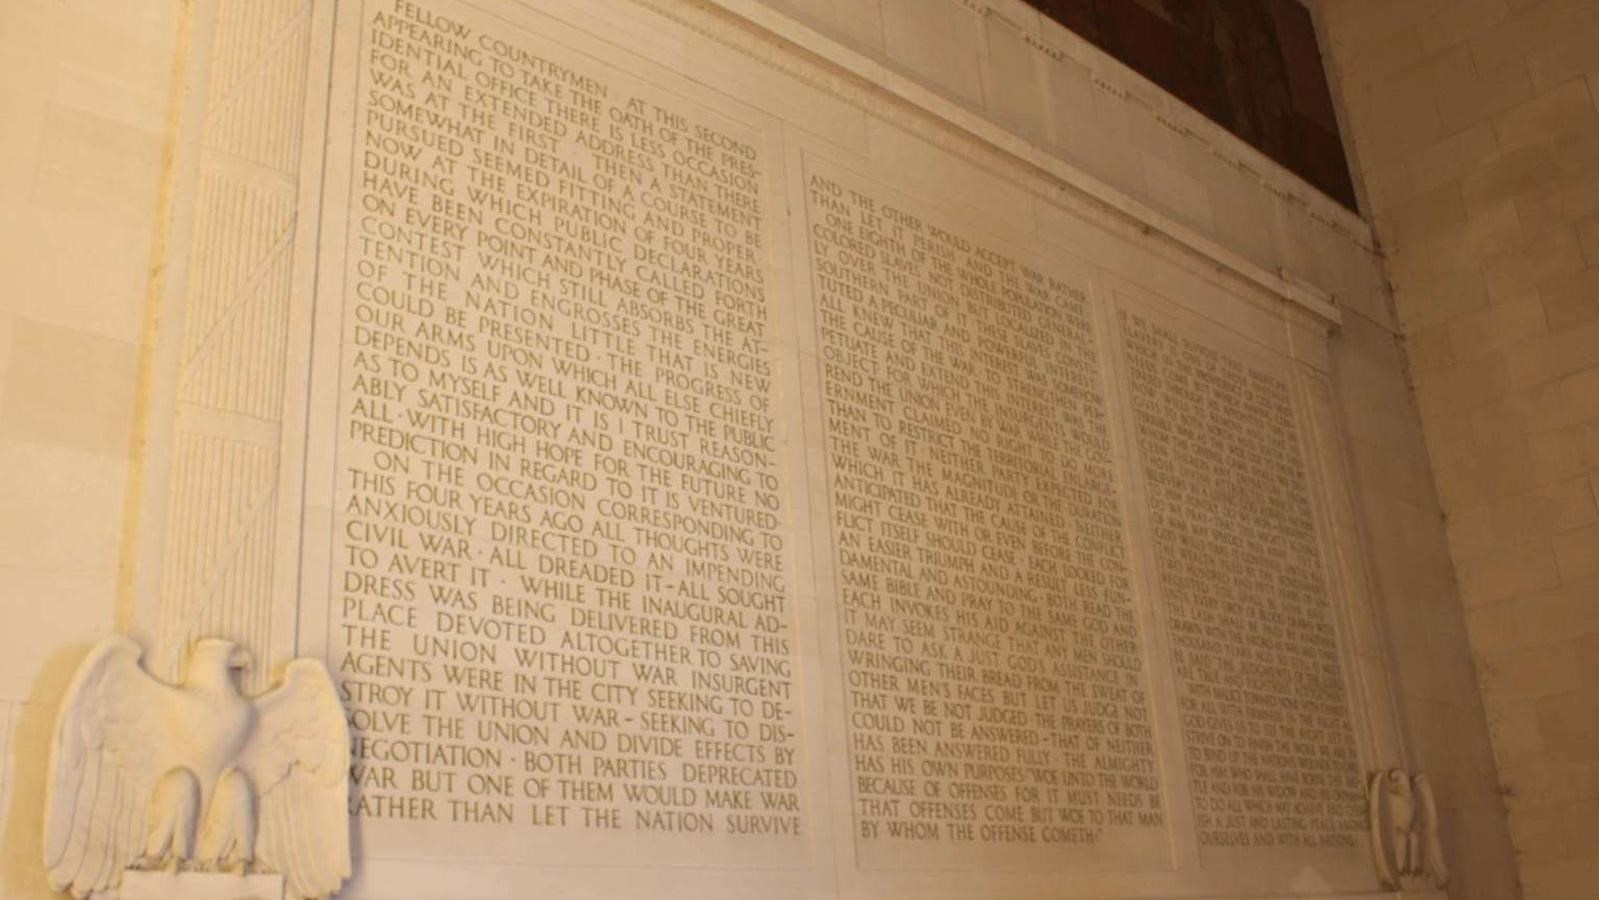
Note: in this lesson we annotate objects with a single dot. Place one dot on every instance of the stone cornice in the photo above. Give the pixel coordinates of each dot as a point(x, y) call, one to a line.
point(775, 39)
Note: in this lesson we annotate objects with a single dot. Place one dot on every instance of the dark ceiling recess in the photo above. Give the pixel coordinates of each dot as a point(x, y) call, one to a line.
point(1252, 66)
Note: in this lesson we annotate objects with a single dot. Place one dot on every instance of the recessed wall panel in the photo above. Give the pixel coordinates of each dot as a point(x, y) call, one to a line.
point(1262, 703)
point(699, 505)
point(562, 605)
point(996, 694)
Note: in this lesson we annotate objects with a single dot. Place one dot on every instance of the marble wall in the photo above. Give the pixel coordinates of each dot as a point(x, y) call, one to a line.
point(1476, 129)
point(167, 385)
point(87, 92)
point(1399, 503)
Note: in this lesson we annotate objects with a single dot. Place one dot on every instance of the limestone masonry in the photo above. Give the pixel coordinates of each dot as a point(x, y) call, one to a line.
point(717, 450)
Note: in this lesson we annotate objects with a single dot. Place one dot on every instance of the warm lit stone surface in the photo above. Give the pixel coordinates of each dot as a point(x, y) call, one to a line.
point(712, 469)
point(561, 567)
point(990, 634)
point(561, 396)
point(1477, 129)
point(1252, 638)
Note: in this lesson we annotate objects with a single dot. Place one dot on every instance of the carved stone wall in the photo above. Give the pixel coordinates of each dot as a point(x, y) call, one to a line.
point(276, 430)
point(513, 509)
point(219, 550)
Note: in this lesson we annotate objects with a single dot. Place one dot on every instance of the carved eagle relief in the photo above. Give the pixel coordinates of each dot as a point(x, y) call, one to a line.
point(195, 775)
point(1404, 829)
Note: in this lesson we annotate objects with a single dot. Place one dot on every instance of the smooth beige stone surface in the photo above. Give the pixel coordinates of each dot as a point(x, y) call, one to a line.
point(7, 713)
point(86, 101)
point(195, 886)
point(87, 407)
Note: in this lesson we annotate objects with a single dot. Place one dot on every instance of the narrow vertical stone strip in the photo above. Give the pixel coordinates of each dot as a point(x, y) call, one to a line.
point(217, 567)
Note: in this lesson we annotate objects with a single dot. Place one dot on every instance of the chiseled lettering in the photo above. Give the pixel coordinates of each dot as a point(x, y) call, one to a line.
point(1270, 746)
point(994, 677)
point(562, 587)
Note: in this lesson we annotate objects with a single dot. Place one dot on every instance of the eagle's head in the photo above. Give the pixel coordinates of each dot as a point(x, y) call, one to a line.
point(1399, 783)
point(214, 664)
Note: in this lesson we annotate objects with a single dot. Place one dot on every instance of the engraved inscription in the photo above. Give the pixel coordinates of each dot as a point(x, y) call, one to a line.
point(561, 597)
point(992, 657)
point(1270, 748)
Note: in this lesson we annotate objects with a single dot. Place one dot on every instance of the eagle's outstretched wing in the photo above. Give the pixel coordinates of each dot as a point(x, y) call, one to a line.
point(1432, 849)
point(110, 747)
point(299, 762)
point(1380, 808)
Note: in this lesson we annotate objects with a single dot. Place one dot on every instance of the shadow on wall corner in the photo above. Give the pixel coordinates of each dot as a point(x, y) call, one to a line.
point(22, 875)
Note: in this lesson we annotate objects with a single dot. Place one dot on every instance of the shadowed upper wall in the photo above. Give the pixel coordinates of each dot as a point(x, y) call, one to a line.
point(1251, 66)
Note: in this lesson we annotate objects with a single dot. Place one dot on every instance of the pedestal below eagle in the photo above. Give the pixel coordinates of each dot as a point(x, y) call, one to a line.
point(196, 775)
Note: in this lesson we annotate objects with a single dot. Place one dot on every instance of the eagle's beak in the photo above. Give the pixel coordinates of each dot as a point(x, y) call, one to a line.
point(240, 660)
